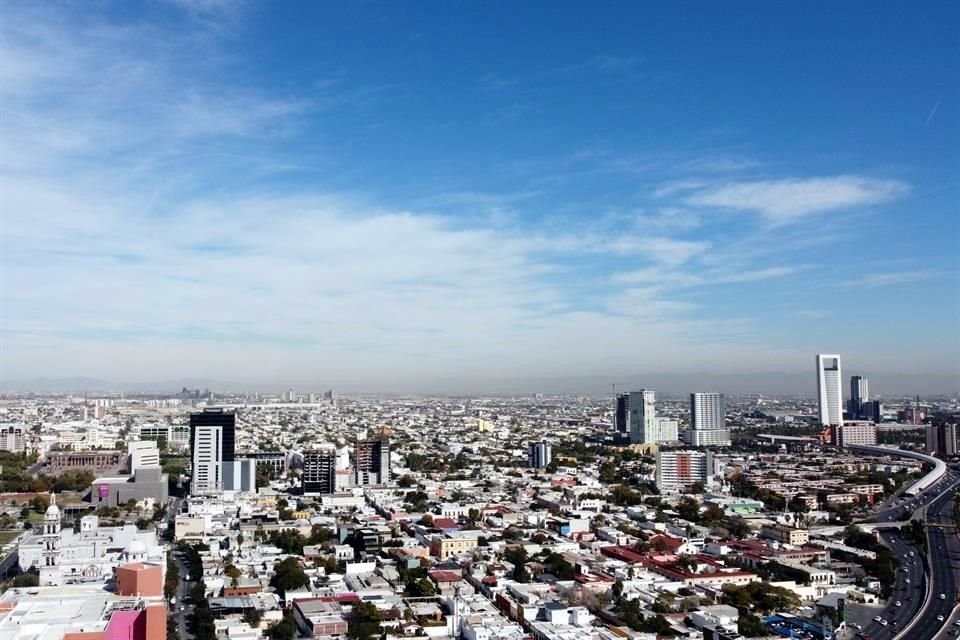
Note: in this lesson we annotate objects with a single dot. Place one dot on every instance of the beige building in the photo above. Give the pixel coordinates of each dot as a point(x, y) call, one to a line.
point(786, 535)
point(451, 545)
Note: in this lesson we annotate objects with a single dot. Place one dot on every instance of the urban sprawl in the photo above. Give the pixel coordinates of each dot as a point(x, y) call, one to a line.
point(200, 515)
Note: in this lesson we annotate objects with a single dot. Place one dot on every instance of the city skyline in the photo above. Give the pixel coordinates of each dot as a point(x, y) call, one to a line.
point(477, 196)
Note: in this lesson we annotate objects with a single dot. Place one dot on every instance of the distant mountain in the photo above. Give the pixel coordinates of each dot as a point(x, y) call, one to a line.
point(56, 385)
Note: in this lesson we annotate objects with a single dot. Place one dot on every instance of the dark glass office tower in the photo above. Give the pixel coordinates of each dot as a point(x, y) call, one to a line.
point(217, 418)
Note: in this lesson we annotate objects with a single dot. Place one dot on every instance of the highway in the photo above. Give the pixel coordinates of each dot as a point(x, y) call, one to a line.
point(945, 563)
point(944, 547)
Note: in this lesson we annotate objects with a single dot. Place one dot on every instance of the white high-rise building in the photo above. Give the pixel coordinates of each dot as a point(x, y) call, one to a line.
point(207, 460)
point(707, 411)
point(707, 421)
point(642, 416)
point(829, 389)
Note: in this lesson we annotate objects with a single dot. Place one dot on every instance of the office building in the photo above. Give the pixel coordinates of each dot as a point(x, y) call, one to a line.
point(240, 475)
point(859, 394)
point(942, 440)
point(677, 470)
point(829, 389)
point(872, 410)
point(620, 422)
point(539, 455)
point(371, 464)
point(641, 414)
point(13, 438)
point(143, 453)
point(319, 471)
point(864, 433)
point(212, 437)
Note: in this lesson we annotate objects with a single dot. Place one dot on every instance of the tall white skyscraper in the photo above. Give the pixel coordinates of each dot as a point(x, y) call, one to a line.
point(707, 411)
point(708, 425)
point(829, 389)
point(642, 416)
point(207, 461)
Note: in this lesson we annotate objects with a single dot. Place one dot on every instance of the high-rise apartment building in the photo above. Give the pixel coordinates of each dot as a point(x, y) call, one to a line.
point(539, 454)
point(707, 411)
point(371, 462)
point(212, 438)
point(707, 421)
point(677, 470)
point(829, 389)
point(319, 470)
point(642, 416)
point(859, 394)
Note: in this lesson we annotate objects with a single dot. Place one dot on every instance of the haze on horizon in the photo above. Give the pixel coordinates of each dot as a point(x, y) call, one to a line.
point(427, 197)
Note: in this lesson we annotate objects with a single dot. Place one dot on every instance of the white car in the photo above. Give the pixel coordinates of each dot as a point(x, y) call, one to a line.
point(897, 603)
point(939, 618)
point(884, 623)
point(943, 596)
point(877, 618)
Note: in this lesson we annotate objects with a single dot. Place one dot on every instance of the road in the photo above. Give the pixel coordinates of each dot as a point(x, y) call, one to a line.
point(183, 587)
point(908, 594)
point(945, 567)
point(938, 505)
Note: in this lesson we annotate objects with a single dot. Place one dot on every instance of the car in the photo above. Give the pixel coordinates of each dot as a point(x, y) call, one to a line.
point(897, 603)
point(957, 622)
point(181, 607)
point(883, 623)
point(943, 596)
point(877, 618)
point(857, 626)
point(939, 618)
point(908, 580)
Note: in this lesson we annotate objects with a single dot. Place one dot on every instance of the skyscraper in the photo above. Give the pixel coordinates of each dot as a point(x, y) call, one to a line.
point(829, 389)
point(707, 411)
point(642, 416)
point(371, 464)
point(708, 421)
point(212, 437)
point(539, 455)
point(620, 414)
point(319, 470)
point(859, 395)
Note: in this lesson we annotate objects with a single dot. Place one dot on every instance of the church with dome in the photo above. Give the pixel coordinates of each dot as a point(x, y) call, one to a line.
point(92, 554)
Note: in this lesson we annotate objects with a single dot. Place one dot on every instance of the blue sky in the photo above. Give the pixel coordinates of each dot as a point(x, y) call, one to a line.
point(304, 192)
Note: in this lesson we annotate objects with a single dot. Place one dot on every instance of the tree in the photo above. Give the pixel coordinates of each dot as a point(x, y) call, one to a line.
point(364, 621)
point(405, 481)
point(286, 629)
point(617, 590)
point(287, 576)
point(25, 580)
point(252, 617)
point(751, 626)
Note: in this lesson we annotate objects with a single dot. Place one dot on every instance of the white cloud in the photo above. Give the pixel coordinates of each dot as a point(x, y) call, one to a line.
point(787, 200)
point(133, 244)
point(892, 278)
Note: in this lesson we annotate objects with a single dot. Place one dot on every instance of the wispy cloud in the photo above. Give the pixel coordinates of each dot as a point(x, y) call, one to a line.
point(889, 279)
point(787, 200)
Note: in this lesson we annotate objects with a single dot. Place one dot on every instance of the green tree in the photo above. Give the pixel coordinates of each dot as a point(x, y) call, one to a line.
point(751, 626)
point(364, 621)
point(286, 629)
point(252, 617)
point(288, 575)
